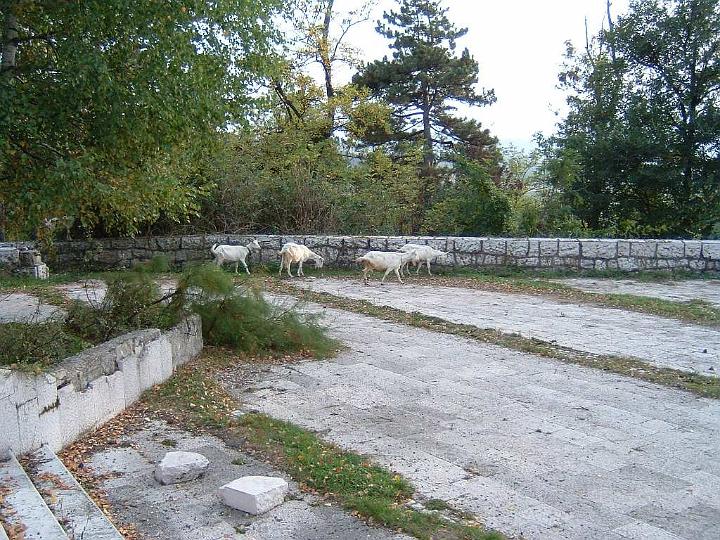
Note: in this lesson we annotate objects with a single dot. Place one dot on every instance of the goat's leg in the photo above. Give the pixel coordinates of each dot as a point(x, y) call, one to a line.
point(282, 262)
point(245, 265)
point(398, 275)
point(288, 268)
point(236, 267)
point(365, 273)
point(428, 265)
point(300, 269)
point(382, 281)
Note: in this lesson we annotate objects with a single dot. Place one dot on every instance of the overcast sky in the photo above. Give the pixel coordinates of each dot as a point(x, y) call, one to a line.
point(519, 45)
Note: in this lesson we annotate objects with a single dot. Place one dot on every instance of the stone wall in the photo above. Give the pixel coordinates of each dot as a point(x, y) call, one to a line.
point(22, 259)
point(463, 252)
point(87, 389)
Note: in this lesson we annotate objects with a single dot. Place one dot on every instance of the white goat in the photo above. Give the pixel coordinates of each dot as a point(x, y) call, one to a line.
point(384, 260)
point(297, 253)
point(424, 254)
point(236, 254)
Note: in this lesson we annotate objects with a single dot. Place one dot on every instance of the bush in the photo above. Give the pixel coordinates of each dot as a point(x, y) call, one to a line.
point(36, 345)
point(133, 301)
point(244, 320)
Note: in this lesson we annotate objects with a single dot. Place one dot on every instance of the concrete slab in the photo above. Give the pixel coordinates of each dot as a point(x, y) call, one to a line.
point(23, 506)
point(194, 509)
point(676, 291)
point(534, 447)
point(22, 307)
point(659, 341)
point(80, 516)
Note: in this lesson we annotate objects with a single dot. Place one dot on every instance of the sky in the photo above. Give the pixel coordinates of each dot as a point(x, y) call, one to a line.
point(519, 46)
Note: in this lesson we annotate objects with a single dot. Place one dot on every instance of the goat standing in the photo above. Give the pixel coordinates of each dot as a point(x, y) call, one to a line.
point(384, 260)
point(297, 253)
point(236, 254)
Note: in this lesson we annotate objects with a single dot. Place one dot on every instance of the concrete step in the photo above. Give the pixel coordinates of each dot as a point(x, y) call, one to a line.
point(23, 510)
point(72, 506)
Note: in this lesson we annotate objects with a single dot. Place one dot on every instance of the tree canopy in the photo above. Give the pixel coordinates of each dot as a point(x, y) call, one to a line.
point(106, 106)
point(643, 133)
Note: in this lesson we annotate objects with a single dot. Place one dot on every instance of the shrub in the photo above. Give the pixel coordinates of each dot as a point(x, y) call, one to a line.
point(36, 345)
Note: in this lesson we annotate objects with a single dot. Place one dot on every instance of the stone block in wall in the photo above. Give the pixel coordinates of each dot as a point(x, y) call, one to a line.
point(548, 248)
point(693, 249)
point(192, 242)
point(467, 244)
point(466, 260)
point(106, 258)
point(623, 248)
point(697, 264)
point(518, 247)
point(711, 250)
point(377, 243)
point(599, 249)
point(9, 255)
point(569, 248)
point(395, 242)
point(628, 264)
point(612, 264)
point(534, 247)
point(494, 246)
point(643, 248)
point(670, 249)
point(441, 244)
point(168, 243)
point(528, 262)
point(357, 242)
point(601, 264)
point(587, 264)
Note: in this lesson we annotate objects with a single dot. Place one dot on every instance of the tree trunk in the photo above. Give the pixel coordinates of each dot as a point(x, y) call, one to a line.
point(9, 40)
point(326, 62)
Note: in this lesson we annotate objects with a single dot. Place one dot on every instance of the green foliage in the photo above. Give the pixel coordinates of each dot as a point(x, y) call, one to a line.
point(637, 154)
point(133, 301)
point(471, 205)
point(36, 345)
point(111, 106)
point(249, 323)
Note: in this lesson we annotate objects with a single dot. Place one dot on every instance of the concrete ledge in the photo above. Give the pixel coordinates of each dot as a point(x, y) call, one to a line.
point(463, 252)
point(86, 390)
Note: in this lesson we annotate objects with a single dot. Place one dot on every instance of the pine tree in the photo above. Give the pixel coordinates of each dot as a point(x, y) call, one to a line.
point(422, 82)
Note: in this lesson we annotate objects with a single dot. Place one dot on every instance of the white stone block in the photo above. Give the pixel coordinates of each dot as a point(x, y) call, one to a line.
point(176, 467)
point(711, 250)
point(670, 249)
point(254, 494)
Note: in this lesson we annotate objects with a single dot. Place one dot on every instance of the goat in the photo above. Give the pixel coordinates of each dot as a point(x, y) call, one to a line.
point(297, 253)
point(383, 260)
point(424, 254)
point(236, 254)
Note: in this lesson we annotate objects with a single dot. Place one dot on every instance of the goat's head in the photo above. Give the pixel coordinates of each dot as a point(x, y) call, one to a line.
point(254, 245)
point(319, 261)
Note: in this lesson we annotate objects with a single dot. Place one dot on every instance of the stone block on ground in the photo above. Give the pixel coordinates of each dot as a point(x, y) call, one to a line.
point(177, 467)
point(254, 494)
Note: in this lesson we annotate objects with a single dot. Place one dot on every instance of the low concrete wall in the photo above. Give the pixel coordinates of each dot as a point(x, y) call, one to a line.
point(86, 390)
point(464, 252)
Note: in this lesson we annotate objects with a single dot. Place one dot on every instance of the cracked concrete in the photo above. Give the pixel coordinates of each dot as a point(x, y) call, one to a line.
point(534, 447)
point(656, 340)
point(676, 291)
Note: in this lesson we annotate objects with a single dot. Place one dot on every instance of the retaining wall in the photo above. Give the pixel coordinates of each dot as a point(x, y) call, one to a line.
point(87, 389)
point(463, 252)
